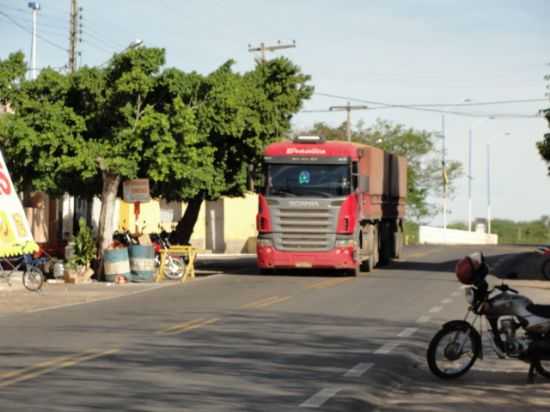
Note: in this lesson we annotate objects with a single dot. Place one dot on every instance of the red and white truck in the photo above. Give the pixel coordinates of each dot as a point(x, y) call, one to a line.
point(330, 204)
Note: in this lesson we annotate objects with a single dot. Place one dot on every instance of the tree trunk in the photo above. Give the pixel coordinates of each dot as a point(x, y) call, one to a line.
point(111, 183)
point(184, 229)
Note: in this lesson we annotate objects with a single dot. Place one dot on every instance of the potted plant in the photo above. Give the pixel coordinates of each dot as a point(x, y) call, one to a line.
point(78, 266)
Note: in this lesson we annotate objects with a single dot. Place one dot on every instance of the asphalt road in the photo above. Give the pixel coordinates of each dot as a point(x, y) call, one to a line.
point(238, 341)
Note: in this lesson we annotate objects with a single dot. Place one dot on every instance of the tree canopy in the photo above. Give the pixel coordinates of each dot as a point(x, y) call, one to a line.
point(194, 136)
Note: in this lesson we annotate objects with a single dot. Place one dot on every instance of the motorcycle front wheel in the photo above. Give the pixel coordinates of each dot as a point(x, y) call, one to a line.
point(174, 267)
point(453, 351)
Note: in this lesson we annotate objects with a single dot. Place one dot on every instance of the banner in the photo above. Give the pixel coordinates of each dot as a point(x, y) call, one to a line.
point(15, 234)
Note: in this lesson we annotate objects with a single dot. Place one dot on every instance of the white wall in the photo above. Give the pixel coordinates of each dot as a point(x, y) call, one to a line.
point(436, 235)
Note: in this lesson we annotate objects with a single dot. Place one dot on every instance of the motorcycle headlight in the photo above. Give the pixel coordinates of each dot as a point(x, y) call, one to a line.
point(469, 295)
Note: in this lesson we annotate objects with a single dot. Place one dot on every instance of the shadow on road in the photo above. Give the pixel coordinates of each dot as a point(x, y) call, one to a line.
point(251, 362)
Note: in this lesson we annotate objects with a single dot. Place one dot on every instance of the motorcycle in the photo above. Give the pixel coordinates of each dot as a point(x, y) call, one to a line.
point(545, 267)
point(174, 266)
point(518, 328)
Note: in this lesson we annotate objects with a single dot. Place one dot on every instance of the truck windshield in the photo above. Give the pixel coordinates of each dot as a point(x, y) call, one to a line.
point(303, 180)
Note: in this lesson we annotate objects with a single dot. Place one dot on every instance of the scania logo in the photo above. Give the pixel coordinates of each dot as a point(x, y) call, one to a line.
point(310, 151)
point(303, 203)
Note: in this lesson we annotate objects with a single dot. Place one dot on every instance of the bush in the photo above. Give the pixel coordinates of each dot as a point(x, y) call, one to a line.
point(84, 246)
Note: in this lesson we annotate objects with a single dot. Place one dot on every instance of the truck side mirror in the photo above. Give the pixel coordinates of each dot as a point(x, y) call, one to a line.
point(363, 185)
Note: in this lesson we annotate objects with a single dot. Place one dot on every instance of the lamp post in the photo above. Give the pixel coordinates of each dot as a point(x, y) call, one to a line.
point(489, 215)
point(35, 7)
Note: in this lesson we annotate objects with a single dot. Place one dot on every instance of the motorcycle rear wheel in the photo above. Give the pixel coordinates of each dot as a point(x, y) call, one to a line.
point(545, 269)
point(451, 346)
point(543, 368)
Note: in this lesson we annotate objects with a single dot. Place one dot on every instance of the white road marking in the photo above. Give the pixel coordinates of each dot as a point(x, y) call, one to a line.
point(358, 370)
point(320, 398)
point(445, 301)
point(386, 348)
point(435, 309)
point(423, 319)
point(406, 333)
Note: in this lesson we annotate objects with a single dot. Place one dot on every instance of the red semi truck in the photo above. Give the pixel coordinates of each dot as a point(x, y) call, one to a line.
point(330, 204)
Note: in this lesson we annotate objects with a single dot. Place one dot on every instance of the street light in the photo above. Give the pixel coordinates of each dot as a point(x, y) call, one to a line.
point(470, 177)
point(489, 217)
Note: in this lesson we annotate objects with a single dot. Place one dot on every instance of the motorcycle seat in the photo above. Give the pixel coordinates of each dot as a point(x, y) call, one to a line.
point(540, 310)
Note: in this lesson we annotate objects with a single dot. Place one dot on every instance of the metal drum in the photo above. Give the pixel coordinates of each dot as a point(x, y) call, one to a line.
point(142, 263)
point(116, 263)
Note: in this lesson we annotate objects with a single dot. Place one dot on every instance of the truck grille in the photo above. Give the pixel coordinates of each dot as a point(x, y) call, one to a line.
point(304, 229)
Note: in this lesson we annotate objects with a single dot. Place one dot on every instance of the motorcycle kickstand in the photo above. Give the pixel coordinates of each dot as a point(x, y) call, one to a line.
point(531, 375)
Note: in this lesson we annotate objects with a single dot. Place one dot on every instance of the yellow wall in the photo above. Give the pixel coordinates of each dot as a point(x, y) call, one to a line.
point(239, 222)
point(149, 217)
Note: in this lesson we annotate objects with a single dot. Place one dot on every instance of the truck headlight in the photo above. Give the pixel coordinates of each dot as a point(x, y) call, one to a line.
point(264, 242)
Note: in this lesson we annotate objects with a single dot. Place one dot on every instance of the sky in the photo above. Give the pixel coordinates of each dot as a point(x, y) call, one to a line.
point(400, 52)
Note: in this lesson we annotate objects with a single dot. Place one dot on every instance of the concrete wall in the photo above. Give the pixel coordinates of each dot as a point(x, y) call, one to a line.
point(436, 235)
point(240, 223)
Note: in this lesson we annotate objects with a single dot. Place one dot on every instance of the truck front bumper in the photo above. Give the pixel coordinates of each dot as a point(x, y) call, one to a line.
point(338, 258)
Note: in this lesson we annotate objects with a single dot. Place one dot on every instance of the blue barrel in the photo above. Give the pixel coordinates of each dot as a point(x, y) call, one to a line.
point(142, 263)
point(116, 263)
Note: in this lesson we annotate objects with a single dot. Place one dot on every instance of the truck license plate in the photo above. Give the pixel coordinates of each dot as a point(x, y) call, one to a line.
point(303, 264)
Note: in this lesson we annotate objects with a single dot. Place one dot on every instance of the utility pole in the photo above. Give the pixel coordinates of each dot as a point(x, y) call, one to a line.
point(348, 108)
point(35, 7)
point(470, 180)
point(73, 37)
point(488, 188)
point(262, 48)
point(445, 178)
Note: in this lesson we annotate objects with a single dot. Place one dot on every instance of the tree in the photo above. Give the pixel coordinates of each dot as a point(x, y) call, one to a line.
point(114, 103)
point(424, 174)
point(544, 145)
point(42, 138)
point(225, 120)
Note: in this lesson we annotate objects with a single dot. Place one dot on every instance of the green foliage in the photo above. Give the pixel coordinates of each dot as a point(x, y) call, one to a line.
point(532, 232)
point(424, 174)
point(84, 246)
point(544, 145)
point(410, 230)
point(12, 72)
point(42, 140)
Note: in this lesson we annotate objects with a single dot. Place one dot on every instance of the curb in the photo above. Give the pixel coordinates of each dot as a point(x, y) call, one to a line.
point(535, 284)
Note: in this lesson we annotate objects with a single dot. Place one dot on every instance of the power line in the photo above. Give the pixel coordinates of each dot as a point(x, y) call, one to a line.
point(22, 27)
point(428, 109)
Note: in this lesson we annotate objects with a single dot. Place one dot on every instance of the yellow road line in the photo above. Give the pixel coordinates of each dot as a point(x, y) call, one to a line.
point(259, 302)
point(328, 283)
point(50, 366)
point(181, 325)
point(279, 300)
point(175, 331)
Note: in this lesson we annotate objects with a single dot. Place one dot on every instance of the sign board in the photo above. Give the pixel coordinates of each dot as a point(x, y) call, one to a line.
point(15, 234)
point(136, 190)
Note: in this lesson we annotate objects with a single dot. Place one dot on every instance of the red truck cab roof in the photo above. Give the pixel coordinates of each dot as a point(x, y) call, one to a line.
point(328, 148)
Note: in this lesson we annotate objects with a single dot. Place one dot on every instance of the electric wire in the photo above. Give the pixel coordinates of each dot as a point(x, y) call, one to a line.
point(22, 27)
point(433, 109)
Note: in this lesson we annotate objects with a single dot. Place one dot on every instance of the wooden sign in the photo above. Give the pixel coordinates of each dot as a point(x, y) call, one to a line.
point(136, 190)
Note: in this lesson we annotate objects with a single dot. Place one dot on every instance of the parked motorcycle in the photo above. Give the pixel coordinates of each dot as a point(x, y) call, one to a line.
point(545, 267)
point(174, 266)
point(518, 328)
